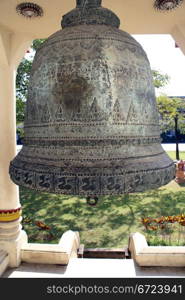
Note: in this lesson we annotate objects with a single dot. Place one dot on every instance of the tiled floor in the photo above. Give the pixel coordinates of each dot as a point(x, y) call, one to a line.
point(93, 268)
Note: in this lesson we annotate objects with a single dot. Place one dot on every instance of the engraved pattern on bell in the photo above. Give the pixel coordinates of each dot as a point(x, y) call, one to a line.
point(91, 122)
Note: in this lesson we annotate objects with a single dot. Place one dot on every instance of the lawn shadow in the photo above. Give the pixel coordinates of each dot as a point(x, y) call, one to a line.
point(106, 225)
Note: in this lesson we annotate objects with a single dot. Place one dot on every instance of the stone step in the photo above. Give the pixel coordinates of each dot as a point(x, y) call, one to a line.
point(93, 267)
point(4, 260)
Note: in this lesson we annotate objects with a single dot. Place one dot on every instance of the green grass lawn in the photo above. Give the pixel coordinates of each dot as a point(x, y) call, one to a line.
point(173, 156)
point(106, 225)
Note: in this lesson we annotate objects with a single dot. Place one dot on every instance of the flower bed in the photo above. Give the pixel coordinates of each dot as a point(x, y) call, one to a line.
point(165, 230)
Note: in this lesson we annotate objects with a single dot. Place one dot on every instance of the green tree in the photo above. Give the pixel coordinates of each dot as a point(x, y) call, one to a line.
point(20, 109)
point(172, 116)
point(22, 81)
point(37, 43)
point(159, 79)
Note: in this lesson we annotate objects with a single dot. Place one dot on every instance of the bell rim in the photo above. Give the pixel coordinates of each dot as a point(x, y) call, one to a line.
point(128, 178)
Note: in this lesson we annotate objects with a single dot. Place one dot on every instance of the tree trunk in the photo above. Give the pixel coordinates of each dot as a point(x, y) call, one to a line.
point(177, 138)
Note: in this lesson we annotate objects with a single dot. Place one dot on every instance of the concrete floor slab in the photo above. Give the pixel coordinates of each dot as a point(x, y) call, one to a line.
point(93, 268)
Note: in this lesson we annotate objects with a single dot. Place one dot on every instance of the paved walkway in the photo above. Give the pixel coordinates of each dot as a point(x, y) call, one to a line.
point(93, 268)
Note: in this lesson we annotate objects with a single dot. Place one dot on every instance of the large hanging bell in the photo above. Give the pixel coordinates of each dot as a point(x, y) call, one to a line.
point(91, 124)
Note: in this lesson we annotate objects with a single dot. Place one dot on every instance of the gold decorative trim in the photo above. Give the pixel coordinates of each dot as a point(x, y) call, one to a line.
point(10, 215)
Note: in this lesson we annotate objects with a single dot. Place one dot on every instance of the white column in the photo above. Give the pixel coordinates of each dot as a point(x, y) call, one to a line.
point(12, 48)
point(9, 198)
point(11, 235)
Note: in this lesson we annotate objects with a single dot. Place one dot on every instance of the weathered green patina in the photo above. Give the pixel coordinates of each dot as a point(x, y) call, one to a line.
point(91, 125)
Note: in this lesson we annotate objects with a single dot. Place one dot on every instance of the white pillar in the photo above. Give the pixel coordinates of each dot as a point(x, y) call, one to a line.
point(12, 48)
point(11, 235)
point(9, 198)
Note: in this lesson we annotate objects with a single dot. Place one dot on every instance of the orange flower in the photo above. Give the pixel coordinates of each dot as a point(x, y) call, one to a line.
point(176, 218)
point(146, 222)
point(160, 220)
point(153, 228)
point(171, 219)
point(182, 222)
point(182, 217)
point(42, 225)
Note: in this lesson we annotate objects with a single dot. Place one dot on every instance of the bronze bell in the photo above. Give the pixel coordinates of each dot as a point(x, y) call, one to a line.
point(91, 124)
